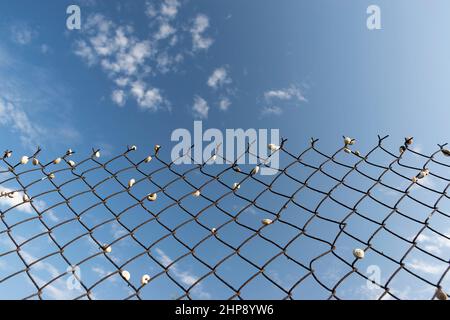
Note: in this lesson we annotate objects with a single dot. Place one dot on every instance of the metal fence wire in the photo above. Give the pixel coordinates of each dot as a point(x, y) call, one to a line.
point(325, 226)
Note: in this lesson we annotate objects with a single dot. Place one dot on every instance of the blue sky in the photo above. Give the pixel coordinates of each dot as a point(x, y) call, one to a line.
point(352, 80)
point(137, 70)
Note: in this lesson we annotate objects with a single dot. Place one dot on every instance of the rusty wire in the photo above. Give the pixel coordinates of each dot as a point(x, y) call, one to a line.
point(18, 174)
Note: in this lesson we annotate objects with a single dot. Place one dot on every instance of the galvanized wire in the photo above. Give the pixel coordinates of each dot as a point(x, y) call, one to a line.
point(392, 163)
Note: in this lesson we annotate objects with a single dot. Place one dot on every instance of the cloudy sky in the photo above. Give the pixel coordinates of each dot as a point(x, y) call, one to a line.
point(137, 70)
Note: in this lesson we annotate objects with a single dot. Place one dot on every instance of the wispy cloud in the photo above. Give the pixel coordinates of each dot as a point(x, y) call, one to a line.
point(218, 78)
point(200, 108)
point(58, 289)
point(425, 267)
point(119, 53)
point(166, 62)
point(224, 104)
point(118, 97)
point(102, 273)
point(32, 131)
point(184, 276)
point(15, 117)
point(410, 293)
point(7, 202)
point(23, 105)
point(147, 98)
point(273, 98)
point(165, 31)
point(168, 9)
point(285, 94)
point(271, 110)
point(117, 231)
point(199, 27)
point(362, 292)
point(41, 265)
point(22, 34)
point(131, 60)
point(434, 244)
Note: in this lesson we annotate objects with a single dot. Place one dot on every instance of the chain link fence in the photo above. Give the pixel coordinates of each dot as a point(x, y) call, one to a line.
point(346, 225)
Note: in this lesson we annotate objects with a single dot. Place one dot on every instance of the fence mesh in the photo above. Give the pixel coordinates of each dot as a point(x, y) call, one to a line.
point(326, 226)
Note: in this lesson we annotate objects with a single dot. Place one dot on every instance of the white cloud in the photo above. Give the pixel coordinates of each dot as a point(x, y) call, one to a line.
point(281, 96)
point(200, 42)
point(22, 34)
point(218, 78)
point(103, 274)
point(51, 215)
point(165, 259)
point(122, 81)
point(117, 231)
point(15, 117)
point(434, 244)
point(150, 10)
point(118, 97)
point(291, 93)
point(201, 23)
point(271, 110)
point(427, 267)
point(124, 58)
point(169, 8)
point(164, 18)
point(165, 31)
point(8, 244)
point(147, 98)
point(224, 104)
point(99, 271)
point(128, 61)
point(82, 49)
point(40, 265)
point(58, 289)
point(165, 62)
point(151, 100)
point(25, 109)
point(184, 276)
point(362, 292)
point(17, 200)
point(138, 89)
point(131, 60)
point(200, 107)
point(410, 293)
